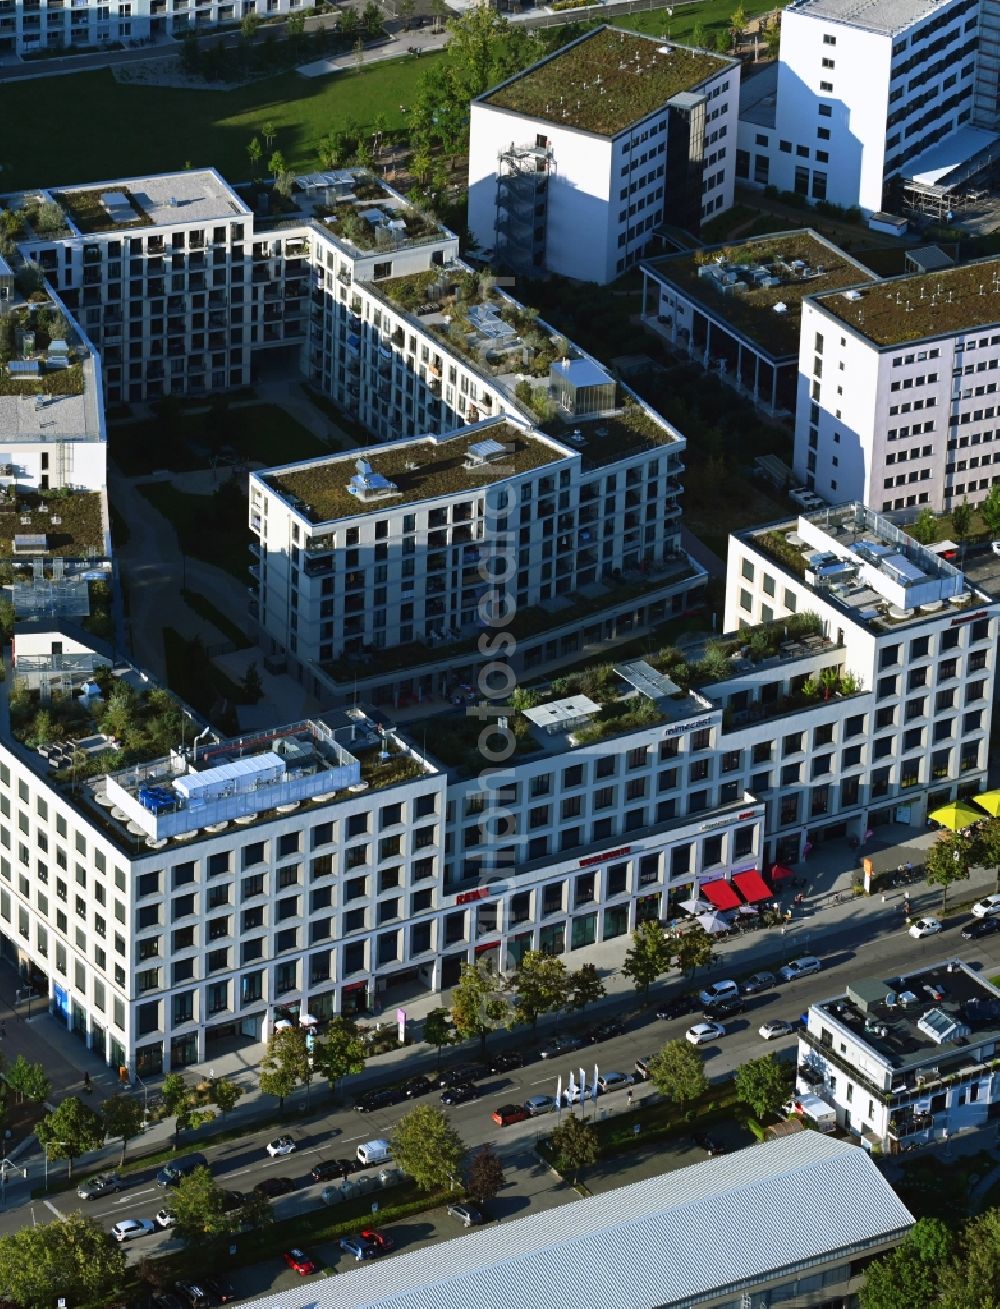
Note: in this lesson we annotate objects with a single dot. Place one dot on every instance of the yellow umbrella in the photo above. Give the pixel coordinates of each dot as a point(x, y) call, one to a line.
point(957, 815)
point(990, 801)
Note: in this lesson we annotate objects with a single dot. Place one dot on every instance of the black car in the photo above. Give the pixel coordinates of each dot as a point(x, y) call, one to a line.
point(274, 1186)
point(331, 1169)
point(506, 1062)
point(604, 1031)
point(677, 1006)
point(709, 1143)
point(460, 1075)
point(221, 1287)
point(195, 1295)
point(725, 1008)
point(232, 1200)
point(978, 927)
point(369, 1101)
point(417, 1086)
point(461, 1094)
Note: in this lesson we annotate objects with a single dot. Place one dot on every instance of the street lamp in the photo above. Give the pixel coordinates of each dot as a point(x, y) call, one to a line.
point(5, 1167)
point(45, 1147)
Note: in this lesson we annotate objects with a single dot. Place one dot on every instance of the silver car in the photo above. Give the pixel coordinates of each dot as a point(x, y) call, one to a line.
point(99, 1184)
point(540, 1104)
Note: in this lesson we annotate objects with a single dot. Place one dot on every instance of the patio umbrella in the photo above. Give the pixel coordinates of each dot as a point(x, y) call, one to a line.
point(695, 906)
point(956, 815)
point(990, 801)
point(712, 923)
point(778, 871)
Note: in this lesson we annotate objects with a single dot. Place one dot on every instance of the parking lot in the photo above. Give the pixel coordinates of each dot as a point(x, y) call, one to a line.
point(982, 568)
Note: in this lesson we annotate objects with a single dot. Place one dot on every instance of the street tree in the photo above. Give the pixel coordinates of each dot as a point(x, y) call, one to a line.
point(198, 1204)
point(28, 1081)
point(286, 1064)
point(989, 510)
point(122, 1116)
point(541, 986)
point(255, 1212)
point(72, 1258)
point(693, 949)
point(910, 1274)
point(987, 853)
point(70, 1130)
point(340, 1051)
point(737, 22)
point(971, 1280)
point(961, 522)
point(425, 1145)
point(575, 1144)
point(276, 165)
point(761, 1084)
point(183, 1105)
point(484, 1176)
point(348, 22)
point(478, 1006)
point(585, 986)
point(949, 860)
point(372, 20)
point(438, 1031)
point(678, 1073)
point(648, 957)
point(224, 1094)
point(924, 528)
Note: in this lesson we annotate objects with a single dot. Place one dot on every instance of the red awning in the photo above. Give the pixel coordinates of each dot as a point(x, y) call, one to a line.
point(779, 871)
point(720, 894)
point(751, 886)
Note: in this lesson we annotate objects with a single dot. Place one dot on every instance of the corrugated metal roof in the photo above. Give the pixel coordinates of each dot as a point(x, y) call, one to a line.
point(660, 1242)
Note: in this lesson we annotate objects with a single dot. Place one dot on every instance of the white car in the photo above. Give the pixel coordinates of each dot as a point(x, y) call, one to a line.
point(995, 547)
point(803, 967)
point(702, 1033)
point(165, 1218)
point(571, 1094)
point(925, 927)
point(614, 1081)
point(727, 990)
point(129, 1228)
point(283, 1145)
point(986, 907)
point(775, 1028)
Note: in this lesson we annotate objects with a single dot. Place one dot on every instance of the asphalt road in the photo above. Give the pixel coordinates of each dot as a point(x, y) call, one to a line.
point(240, 1164)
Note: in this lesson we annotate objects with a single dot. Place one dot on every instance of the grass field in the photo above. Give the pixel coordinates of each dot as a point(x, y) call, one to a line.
point(178, 127)
point(712, 15)
point(208, 527)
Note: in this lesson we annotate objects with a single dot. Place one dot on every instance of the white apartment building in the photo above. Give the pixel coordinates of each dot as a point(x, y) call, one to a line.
point(897, 390)
point(866, 95)
point(902, 722)
point(33, 25)
point(575, 162)
point(906, 1060)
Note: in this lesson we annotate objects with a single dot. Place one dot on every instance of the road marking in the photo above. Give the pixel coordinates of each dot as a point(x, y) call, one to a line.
point(134, 1195)
point(50, 1206)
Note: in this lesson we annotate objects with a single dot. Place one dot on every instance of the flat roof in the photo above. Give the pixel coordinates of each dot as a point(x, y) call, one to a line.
point(759, 96)
point(440, 469)
point(935, 164)
point(919, 306)
point(605, 81)
point(886, 16)
point(655, 1243)
point(920, 1017)
point(197, 195)
point(749, 307)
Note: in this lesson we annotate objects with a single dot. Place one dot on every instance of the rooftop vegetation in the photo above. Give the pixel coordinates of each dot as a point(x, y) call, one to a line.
point(87, 210)
point(605, 82)
point(345, 221)
point(774, 542)
point(78, 533)
point(751, 309)
point(454, 739)
point(923, 304)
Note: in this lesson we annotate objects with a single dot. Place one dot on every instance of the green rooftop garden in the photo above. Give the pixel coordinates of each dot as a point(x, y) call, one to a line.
point(87, 210)
point(454, 739)
point(345, 220)
point(71, 521)
point(606, 81)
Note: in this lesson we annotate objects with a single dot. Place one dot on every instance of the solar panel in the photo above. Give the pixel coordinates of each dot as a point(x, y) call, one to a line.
point(647, 680)
point(486, 449)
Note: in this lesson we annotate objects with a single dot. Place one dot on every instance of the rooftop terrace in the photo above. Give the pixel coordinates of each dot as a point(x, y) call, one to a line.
point(921, 305)
point(605, 81)
point(365, 213)
point(743, 283)
point(422, 469)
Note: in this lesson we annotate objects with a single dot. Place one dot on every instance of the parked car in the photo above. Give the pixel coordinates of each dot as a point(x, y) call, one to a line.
point(803, 967)
point(382, 1242)
point(642, 1068)
point(509, 1113)
point(358, 1247)
point(986, 907)
point(299, 1262)
point(614, 1081)
point(274, 1186)
point(232, 1200)
point(466, 1212)
point(539, 1104)
point(770, 1031)
point(461, 1094)
point(979, 927)
point(758, 982)
point(710, 1144)
point(925, 927)
point(171, 1173)
point(131, 1228)
point(604, 1032)
point(416, 1087)
point(725, 990)
point(506, 1061)
point(995, 547)
point(165, 1218)
point(725, 1008)
point(282, 1145)
point(221, 1287)
point(369, 1101)
point(574, 1094)
point(560, 1045)
point(703, 1033)
point(194, 1295)
point(328, 1169)
point(461, 1075)
point(677, 1006)
point(100, 1184)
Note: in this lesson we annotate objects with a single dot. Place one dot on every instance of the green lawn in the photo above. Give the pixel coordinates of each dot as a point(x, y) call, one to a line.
point(208, 527)
point(712, 15)
point(175, 127)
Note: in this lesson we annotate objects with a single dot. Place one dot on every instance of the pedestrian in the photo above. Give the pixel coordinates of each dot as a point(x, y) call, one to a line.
point(3, 1028)
point(628, 1097)
point(86, 1082)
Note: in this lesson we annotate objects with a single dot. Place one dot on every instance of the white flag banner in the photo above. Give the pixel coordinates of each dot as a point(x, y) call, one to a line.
point(594, 1088)
point(559, 1091)
point(583, 1086)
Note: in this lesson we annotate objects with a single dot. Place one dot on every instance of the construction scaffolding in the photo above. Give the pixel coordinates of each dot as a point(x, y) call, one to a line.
point(522, 204)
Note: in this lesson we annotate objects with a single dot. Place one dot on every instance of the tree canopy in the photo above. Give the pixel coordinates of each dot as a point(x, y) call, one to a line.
point(477, 1005)
point(576, 1145)
point(70, 1130)
point(762, 1084)
point(340, 1051)
point(648, 957)
point(72, 1257)
point(541, 986)
point(678, 1072)
point(425, 1145)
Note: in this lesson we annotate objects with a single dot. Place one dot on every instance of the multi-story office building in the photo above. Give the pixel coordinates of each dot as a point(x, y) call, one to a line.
point(905, 1060)
point(867, 95)
point(32, 25)
point(897, 401)
point(574, 162)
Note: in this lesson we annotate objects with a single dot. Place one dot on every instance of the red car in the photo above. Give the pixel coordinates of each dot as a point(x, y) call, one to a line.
point(510, 1113)
point(381, 1243)
point(299, 1262)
